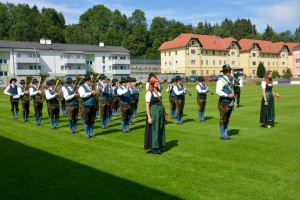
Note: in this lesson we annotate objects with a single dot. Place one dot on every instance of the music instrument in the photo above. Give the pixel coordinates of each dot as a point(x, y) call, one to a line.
point(27, 97)
point(77, 83)
point(57, 88)
point(40, 98)
point(98, 95)
point(188, 92)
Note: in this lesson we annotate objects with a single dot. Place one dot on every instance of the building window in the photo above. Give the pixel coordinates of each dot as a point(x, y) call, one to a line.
point(78, 67)
point(298, 60)
point(175, 53)
point(214, 52)
point(207, 72)
point(109, 68)
point(283, 55)
point(206, 52)
point(283, 63)
point(233, 53)
point(193, 72)
point(78, 56)
point(214, 62)
point(165, 53)
point(3, 61)
point(214, 73)
point(283, 71)
point(170, 63)
point(201, 72)
point(109, 57)
point(206, 62)
point(165, 64)
point(176, 62)
point(193, 42)
point(103, 59)
point(19, 67)
point(89, 62)
point(19, 55)
point(201, 62)
point(254, 55)
point(193, 51)
point(193, 62)
point(169, 53)
point(220, 62)
point(254, 63)
point(233, 62)
point(62, 68)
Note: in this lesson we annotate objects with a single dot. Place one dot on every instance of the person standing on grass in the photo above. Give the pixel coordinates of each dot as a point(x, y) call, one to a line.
point(237, 89)
point(71, 98)
point(25, 103)
point(172, 97)
point(38, 106)
point(202, 89)
point(225, 91)
point(12, 92)
point(267, 111)
point(180, 90)
point(89, 105)
point(53, 104)
point(155, 121)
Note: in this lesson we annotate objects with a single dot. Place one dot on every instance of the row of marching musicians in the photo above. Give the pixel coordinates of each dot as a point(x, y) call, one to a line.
point(83, 95)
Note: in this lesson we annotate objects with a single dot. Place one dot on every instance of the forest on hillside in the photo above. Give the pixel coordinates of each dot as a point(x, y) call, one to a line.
point(100, 24)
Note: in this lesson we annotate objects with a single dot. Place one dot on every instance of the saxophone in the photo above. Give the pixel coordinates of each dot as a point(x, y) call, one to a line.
point(26, 97)
point(40, 98)
point(98, 95)
point(57, 88)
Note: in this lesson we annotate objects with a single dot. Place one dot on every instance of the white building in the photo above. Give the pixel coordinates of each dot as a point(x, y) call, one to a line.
point(32, 58)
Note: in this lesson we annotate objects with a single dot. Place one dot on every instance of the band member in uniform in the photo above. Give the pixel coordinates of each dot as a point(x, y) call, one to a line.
point(89, 105)
point(53, 104)
point(155, 121)
point(72, 105)
point(25, 104)
point(136, 93)
point(225, 91)
point(202, 89)
point(104, 103)
point(115, 99)
point(124, 93)
point(180, 91)
point(129, 82)
point(80, 106)
point(109, 116)
point(172, 97)
point(12, 91)
point(38, 107)
point(237, 89)
point(63, 101)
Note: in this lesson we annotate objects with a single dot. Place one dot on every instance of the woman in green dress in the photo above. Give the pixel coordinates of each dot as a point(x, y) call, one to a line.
point(267, 111)
point(155, 122)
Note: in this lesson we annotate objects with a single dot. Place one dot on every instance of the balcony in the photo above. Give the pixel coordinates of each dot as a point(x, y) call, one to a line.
point(27, 60)
point(121, 71)
point(72, 61)
point(121, 62)
point(74, 71)
point(23, 72)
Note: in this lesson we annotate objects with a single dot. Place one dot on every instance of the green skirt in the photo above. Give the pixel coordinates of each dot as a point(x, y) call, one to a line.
point(267, 113)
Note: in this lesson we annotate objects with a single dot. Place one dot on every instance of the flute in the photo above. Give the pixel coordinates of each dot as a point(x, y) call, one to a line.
point(188, 92)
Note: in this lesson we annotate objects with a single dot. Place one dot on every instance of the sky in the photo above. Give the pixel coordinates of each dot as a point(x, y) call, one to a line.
point(280, 15)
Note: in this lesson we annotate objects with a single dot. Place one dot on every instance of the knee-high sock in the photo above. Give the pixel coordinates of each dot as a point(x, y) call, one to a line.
point(200, 115)
point(74, 123)
point(70, 126)
point(13, 114)
point(91, 126)
point(222, 131)
point(102, 119)
point(87, 130)
point(23, 116)
point(226, 129)
point(52, 123)
point(123, 126)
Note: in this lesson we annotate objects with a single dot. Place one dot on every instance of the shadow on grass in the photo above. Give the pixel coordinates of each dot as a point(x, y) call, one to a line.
point(170, 144)
point(29, 173)
point(208, 118)
point(233, 132)
point(188, 120)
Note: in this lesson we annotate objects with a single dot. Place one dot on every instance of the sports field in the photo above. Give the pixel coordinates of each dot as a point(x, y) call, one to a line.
point(259, 163)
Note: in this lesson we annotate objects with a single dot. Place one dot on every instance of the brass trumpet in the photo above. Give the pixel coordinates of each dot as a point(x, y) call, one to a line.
point(57, 88)
point(27, 97)
point(40, 98)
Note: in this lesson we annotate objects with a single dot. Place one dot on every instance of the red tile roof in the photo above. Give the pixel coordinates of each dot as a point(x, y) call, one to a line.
point(207, 42)
point(297, 47)
point(265, 46)
point(292, 45)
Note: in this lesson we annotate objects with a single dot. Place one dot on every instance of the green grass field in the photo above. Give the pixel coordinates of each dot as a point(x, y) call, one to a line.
point(259, 163)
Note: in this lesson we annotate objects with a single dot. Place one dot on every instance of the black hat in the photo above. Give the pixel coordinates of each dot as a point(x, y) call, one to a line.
point(86, 77)
point(114, 80)
point(107, 79)
point(178, 78)
point(34, 80)
point(200, 78)
point(12, 79)
point(68, 80)
point(22, 81)
point(133, 79)
point(173, 80)
point(226, 68)
point(102, 76)
point(49, 82)
point(151, 75)
point(128, 79)
point(123, 80)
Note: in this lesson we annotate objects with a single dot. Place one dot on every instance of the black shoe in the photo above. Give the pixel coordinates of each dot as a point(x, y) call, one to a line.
point(158, 151)
point(226, 138)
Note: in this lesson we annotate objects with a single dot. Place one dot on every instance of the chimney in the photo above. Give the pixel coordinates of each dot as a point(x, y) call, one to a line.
point(101, 44)
point(42, 41)
point(48, 42)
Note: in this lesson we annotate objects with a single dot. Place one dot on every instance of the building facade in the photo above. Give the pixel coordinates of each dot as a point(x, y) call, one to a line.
point(205, 55)
point(296, 53)
point(32, 58)
point(141, 68)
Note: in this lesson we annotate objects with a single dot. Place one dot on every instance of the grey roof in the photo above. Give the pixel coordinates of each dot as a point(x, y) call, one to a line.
point(62, 47)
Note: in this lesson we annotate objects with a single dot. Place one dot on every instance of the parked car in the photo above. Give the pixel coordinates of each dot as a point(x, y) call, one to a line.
point(208, 79)
point(192, 78)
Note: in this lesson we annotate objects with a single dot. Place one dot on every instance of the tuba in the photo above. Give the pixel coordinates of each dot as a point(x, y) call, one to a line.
point(27, 97)
point(98, 95)
point(77, 83)
point(57, 88)
point(40, 98)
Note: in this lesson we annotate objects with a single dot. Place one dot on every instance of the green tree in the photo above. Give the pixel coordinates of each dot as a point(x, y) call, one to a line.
point(287, 74)
point(226, 28)
point(275, 74)
point(268, 34)
point(242, 28)
point(261, 70)
point(297, 34)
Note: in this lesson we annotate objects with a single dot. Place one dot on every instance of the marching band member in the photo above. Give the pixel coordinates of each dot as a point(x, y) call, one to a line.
point(180, 91)
point(89, 105)
point(53, 104)
point(124, 91)
point(25, 104)
point(136, 93)
point(12, 91)
point(38, 107)
point(226, 103)
point(202, 89)
point(63, 100)
point(172, 97)
point(110, 96)
point(115, 97)
point(104, 103)
point(72, 105)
